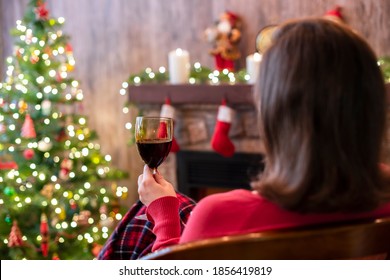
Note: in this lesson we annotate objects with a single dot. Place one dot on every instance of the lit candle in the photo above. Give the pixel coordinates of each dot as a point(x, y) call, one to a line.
point(252, 66)
point(179, 66)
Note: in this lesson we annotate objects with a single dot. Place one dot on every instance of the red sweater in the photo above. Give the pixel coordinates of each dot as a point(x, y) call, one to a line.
point(231, 213)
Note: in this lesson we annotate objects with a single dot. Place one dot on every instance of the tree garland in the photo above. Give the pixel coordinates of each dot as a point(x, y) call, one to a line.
point(198, 75)
point(203, 75)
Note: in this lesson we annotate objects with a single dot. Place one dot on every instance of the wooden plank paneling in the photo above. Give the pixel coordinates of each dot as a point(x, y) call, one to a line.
point(112, 39)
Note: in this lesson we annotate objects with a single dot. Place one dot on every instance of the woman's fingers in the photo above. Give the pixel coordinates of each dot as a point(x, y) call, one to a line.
point(152, 187)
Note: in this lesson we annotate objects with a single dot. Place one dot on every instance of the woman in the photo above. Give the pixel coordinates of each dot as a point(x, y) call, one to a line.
point(321, 102)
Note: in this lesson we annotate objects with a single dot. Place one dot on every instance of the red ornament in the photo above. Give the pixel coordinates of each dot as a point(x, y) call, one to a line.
point(68, 48)
point(83, 217)
point(47, 50)
point(18, 54)
point(73, 205)
point(103, 209)
point(55, 257)
point(34, 59)
point(8, 165)
point(44, 230)
point(28, 130)
point(15, 236)
point(58, 77)
point(66, 167)
point(41, 13)
point(96, 248)
point(28, 154)
point(61, 135)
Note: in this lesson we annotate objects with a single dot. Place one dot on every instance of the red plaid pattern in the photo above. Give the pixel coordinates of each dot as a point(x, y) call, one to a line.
point(133, 238)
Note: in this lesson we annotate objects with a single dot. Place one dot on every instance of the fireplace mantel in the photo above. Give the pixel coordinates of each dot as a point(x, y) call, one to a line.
point(236, 94)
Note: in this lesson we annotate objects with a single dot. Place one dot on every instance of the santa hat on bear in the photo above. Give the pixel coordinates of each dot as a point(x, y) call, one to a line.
point(335, 15)
point(233, 18)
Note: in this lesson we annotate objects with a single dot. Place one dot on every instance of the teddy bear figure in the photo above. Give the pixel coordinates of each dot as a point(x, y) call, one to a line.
point(225, 35)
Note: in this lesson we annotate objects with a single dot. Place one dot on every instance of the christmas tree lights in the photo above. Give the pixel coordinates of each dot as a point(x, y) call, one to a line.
point(56, 199)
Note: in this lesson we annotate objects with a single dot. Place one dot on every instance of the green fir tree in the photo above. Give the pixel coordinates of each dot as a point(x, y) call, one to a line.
point(58, 196)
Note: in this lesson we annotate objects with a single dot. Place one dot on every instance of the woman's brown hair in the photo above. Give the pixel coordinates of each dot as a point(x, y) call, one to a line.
point(321, 98)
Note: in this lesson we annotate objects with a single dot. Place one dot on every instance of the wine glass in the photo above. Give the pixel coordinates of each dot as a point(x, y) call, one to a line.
point(153, 136)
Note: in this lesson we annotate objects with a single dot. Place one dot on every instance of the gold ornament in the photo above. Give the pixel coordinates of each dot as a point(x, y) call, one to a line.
point(62, 214)
point(69, 67)
point(47, 190)
point(114, 187)
point(95, 159)
point(22, 106)
point(264, 38)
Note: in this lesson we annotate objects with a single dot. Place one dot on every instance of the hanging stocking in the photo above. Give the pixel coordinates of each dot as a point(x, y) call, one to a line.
point(168, 111)
point(44, 230)
point(28, 130)
point(220, 141)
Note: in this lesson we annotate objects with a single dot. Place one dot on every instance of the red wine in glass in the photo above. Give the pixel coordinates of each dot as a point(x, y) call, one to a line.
point(153, 136)
point(154, 151)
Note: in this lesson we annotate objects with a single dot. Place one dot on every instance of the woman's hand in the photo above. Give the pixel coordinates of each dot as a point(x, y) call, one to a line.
point(152, 187)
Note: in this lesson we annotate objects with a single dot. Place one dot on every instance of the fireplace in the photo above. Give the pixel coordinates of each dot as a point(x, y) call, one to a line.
point(200, 173)
point(197, 170)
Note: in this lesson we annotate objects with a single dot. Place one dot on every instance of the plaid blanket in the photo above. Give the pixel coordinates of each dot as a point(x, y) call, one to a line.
point(133, 237)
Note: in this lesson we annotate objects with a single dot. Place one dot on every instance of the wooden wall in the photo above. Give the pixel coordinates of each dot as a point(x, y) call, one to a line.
point(114, 38)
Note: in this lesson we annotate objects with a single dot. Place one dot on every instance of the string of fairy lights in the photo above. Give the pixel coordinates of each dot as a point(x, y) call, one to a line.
point(198, 75)
point(203, 75)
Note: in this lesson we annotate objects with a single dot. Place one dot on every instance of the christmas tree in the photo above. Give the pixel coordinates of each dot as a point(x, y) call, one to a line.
point(57, 196)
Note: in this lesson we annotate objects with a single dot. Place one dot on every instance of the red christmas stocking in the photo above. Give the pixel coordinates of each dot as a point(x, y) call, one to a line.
point(168, 111)
point(220, 141)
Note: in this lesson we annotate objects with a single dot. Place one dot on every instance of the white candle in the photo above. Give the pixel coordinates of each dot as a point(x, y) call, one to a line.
point(179, 66)
point(252, 66)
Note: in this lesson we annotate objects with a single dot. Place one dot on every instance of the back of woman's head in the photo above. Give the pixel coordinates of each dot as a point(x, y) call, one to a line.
point(322, 113)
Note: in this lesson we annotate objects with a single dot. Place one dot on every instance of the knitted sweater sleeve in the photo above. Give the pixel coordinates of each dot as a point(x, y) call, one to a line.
point(164, 214)
point(213, 216)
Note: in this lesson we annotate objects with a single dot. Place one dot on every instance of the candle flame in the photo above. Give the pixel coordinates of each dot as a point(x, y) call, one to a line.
point(257, 56)
point(179, 51)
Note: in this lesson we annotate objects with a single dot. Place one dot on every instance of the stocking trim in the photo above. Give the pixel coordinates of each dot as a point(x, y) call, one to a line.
point(167, 111)
point(225, 114)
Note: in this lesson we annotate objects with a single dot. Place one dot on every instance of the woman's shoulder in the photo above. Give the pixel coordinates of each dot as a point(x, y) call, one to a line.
point(223, 214)
point(236, 196)
point(230, 203)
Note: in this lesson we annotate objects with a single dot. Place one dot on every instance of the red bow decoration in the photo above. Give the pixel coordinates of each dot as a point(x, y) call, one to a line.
point(41, 12)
